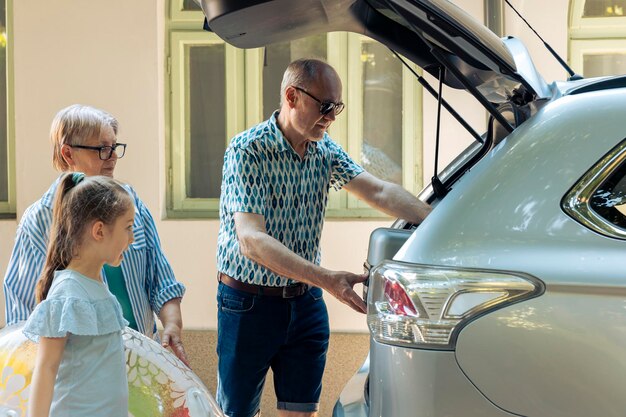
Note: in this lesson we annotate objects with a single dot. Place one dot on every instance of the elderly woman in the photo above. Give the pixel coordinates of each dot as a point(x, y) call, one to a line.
point(85, 140)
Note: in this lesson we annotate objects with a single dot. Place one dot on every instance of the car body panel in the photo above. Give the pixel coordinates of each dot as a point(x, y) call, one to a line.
point(553, 150)
point(552, 353)
point(408, 382)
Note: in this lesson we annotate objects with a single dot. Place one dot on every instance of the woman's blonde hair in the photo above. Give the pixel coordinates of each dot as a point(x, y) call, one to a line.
point(75, 125)
point(78, 201)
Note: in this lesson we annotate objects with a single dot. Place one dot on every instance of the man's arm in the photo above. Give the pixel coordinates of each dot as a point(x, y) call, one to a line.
point(258, 245)
point(388, 197)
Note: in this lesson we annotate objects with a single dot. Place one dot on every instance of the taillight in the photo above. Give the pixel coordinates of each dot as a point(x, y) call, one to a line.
point(399, 301)
point(427, 306)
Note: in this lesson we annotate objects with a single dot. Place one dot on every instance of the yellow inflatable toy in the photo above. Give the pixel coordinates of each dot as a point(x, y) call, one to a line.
point(159, 384)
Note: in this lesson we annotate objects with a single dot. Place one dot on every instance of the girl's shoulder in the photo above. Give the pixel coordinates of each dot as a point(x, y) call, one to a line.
point(71, 284)
point(75, 304)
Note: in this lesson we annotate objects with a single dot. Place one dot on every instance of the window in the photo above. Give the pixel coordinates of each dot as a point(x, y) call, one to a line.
point(598, 37)
point(599, 199)
point(206, 84)
point(218, 91)
point(7, 195)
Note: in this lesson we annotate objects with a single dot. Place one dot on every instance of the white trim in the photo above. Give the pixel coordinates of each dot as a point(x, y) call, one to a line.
point(580, 48)
point(594, 27)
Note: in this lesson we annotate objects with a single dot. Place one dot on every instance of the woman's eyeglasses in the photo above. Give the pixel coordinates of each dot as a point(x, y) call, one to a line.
point(325, 106)
point(105, 152)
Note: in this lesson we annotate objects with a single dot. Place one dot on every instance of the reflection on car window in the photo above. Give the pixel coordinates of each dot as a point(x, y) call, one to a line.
point(609, 200)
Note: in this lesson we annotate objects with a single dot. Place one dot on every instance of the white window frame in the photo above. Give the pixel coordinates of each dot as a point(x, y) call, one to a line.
point(593, 35)
point(596, 27)
point(582, 47)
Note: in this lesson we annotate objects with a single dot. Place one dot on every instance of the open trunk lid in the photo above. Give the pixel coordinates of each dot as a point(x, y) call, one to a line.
point(428, 32)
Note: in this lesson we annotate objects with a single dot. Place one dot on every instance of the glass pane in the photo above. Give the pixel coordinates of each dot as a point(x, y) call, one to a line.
point(595, 65)
point(604, 8)
point(381, 152)
point(609, 200)
point(4, 160)
point(207, 120)
point(191, 6)
point(277, 57)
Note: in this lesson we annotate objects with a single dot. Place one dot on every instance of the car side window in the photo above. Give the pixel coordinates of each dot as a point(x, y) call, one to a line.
point(609, 199)
point(598, 200)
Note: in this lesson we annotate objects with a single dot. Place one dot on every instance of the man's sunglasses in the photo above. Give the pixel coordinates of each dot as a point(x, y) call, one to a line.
point(325, 106)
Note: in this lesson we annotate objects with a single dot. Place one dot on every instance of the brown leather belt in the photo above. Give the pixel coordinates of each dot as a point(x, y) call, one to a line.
point(289, 291)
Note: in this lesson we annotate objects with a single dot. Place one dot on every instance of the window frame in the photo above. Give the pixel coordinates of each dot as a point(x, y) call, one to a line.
point(344, 50)
point(582, 47)
point(577, 202)
point(178, 15)
point(594, 27)
point(8, 207)
point(593, 35)
point(181, 205)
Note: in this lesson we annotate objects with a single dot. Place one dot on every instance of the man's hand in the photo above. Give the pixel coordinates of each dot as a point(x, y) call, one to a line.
point(172, 322)
point(341, 286)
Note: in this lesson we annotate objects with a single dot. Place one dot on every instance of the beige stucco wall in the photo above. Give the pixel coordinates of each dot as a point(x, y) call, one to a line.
point(110, 55)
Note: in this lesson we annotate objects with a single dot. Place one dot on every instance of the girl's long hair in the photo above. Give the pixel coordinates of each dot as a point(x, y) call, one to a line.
point(78, 203)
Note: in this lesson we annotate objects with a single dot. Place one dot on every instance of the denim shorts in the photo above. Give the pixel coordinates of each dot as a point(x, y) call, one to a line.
point(255, 333)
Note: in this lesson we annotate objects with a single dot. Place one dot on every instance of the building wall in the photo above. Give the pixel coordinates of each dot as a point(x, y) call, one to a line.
point(111, 55)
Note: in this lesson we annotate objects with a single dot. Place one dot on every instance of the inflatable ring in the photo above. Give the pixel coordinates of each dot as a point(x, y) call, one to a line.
point(159, 384)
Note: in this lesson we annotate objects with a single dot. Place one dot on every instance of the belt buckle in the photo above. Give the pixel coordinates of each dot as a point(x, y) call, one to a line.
point(292, 291)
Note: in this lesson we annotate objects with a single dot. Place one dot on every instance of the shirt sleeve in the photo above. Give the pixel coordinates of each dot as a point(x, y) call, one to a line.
point(243, 186)
point(343, 168)
point(25, 266)
point(161, 284)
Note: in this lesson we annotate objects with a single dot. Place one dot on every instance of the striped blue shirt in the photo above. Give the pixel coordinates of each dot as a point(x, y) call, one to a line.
point(149, 277)
point(264, 175)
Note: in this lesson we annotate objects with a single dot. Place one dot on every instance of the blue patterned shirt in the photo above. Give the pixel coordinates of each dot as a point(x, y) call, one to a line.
point(264, 175)
point(149, 277)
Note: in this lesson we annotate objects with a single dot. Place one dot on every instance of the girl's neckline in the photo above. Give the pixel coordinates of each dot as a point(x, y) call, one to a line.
point(74, 272)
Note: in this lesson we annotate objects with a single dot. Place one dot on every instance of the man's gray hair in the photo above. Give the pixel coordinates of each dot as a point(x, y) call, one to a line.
point(301, 73)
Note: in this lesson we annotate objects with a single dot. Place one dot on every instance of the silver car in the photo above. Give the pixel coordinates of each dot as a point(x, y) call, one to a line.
point(510, 298)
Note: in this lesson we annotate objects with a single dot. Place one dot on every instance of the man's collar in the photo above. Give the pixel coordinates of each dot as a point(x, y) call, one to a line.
point(282, 144)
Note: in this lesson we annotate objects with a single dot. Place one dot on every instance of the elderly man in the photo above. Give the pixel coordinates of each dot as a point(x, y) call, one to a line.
point(274, 192)
point(85, 140)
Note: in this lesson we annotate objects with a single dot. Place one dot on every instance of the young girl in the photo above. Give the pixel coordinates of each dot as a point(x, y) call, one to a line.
point(80, 368)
